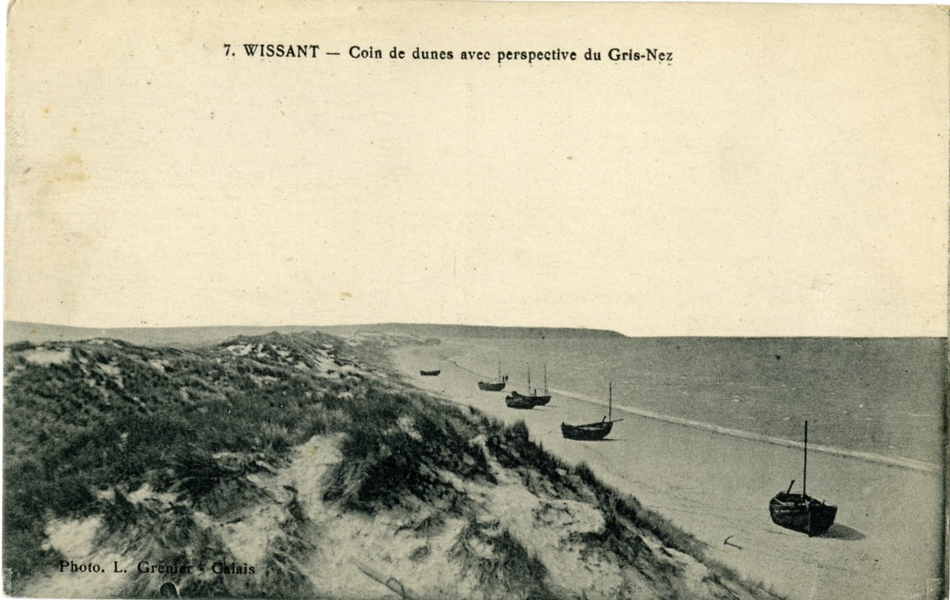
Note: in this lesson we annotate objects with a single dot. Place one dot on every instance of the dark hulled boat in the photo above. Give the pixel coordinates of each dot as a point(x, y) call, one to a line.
point(536, 400)
point(592, 431)
point(496, 385)
point(520, 402)
point(801, 512)
point(430, 373)
point(491, 386)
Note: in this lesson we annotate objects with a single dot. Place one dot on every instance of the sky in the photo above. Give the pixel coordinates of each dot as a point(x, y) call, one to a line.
point(785, 174)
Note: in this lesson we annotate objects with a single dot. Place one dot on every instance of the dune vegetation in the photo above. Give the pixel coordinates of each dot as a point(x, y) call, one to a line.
point(300, 465)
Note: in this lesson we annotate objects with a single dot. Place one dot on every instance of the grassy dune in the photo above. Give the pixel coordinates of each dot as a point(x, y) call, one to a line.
point(281, 452)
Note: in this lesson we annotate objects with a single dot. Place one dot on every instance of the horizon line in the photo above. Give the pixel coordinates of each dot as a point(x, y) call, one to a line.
point(466, 325)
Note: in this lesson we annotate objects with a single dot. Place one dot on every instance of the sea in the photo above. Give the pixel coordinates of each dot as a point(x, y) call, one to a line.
point(879, 399)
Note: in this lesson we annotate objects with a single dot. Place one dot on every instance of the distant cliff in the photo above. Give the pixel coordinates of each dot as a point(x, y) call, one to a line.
point(476, 331)
point(17, 331)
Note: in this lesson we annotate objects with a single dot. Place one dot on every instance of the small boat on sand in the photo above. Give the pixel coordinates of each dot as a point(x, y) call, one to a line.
point(593, 431)
point(520, 402)
point(801, 512)
point(494, 386)
point(532, 394)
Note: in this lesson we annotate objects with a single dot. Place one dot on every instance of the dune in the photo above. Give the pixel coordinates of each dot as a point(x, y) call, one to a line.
point(301, 465)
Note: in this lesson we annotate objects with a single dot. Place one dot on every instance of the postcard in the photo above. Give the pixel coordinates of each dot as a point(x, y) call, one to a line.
point(339, 299)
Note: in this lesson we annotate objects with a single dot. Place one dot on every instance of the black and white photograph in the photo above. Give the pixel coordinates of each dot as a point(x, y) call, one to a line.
point(475, 300)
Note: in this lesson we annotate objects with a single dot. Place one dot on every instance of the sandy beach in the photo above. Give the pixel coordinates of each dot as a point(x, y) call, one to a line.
point(886, 540)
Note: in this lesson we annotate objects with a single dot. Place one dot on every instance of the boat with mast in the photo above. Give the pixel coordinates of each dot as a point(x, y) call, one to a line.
point(494, 386)
point(533, 394)
point(801, 512)
point(546, 396)
point(593, 431)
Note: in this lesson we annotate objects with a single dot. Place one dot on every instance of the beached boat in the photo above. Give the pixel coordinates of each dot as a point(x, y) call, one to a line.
point(520, 402)
point(533, 394)
point(496, 385)
point(593, 431)
point(430, 373)
point(801, 512)
point(491, 386)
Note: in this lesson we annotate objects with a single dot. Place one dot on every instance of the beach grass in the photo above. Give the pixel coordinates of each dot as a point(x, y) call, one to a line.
point(91, 424)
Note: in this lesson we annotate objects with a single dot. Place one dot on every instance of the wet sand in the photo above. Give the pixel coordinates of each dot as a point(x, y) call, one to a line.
point(886, 540)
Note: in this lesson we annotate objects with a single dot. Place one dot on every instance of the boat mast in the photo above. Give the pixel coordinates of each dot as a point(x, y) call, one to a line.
point(610, 400)
point(805, 471)
point(529, 379)
point(545, 379)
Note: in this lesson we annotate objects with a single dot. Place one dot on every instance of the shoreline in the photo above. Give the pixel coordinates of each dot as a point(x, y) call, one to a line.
point(885, 544)
point(892, 461)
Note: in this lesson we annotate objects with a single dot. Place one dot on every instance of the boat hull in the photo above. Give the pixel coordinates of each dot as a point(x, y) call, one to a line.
point(430, 373)
point(802, 513)
point(588, 432)
point(520, 402)
point(487, 386)
point(537, 400)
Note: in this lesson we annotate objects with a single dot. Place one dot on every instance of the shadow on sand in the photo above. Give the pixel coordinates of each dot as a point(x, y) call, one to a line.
point(843, 532)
